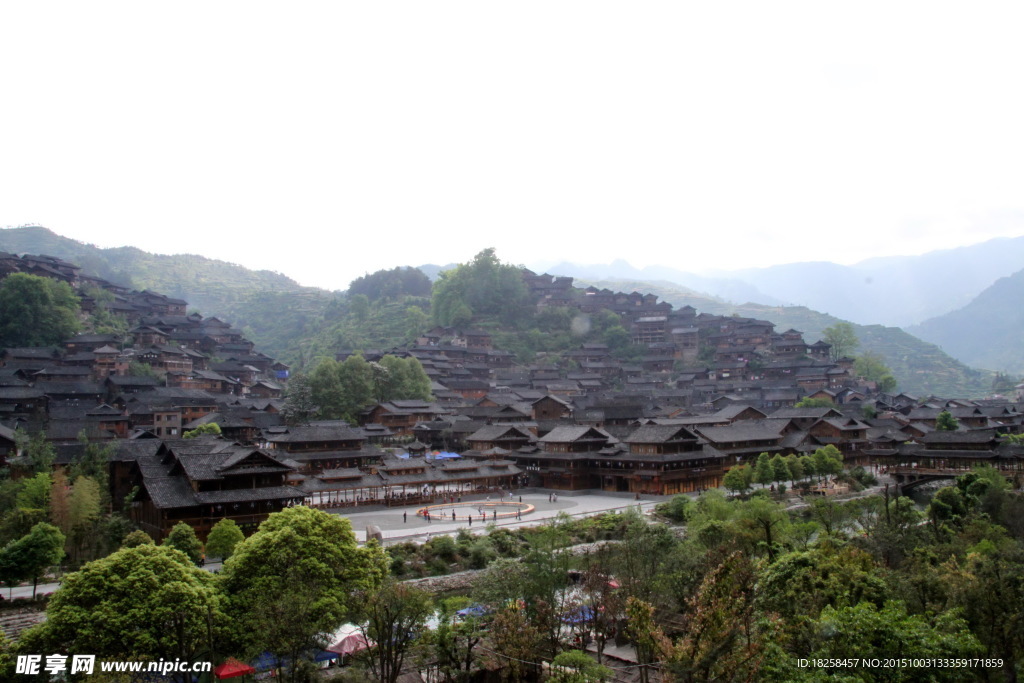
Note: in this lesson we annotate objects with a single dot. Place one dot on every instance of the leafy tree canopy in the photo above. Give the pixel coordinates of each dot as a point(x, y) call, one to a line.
point(391, 284)
point(183, 537)
point(485, 286)
point(872, 367)
point(36, 311)
point(945, 422)
point(294, 580)
point(223, 538)
point(208, 428)
point(842, 337)
point(145, 602)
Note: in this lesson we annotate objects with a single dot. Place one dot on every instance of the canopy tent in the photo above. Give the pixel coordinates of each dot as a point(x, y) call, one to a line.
point(348, 640)
point(233, 668)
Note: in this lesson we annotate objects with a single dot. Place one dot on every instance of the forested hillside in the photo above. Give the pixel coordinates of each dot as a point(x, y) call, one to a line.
point(274, 311)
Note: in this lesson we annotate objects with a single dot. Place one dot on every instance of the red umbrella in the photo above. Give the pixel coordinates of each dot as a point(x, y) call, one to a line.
point(233, 668)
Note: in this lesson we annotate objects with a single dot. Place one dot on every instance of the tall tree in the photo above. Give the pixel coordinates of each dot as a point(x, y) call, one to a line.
point(36, 311)
point(763, 472)
point(297, 550)
point(872, 367)
point(84, 509)
point(223, 538)
point(843, 339)
point(34, 553)
point(60, 504)
point(146, 602)
point(183, 537)
point(945, 422)
point(485, 286)
point(394, 616)
point(299, 406)
point(738, 478)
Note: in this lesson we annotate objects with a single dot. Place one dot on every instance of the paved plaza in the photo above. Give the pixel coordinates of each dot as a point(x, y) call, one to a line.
point(400, 524)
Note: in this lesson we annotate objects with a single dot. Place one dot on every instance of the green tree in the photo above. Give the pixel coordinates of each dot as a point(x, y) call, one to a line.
point(294, 580)
point(843, 339)
point(872, 367)
point(183, 537)
point(763, 473)
point(725, 640)
point(780, 469)
point(223, 538)
point(767, 522)
point(360, 307)
point(146, 602)
point(391, 284)
point(394, 615)
point(800, 584)
point(37, 453)
point(945, 422)
point(834, 517)
point(807, 402)
point(60, 504)
point(35, 492)
point(795, 467)
point(484, 286)
point(738, 478)
point(31, 555)
point(456, 639)
point(828, 461)
point(211, 428)
point(515, 643)
point(36, 311)
point(137, 538)
point(416, 322)
point(865, 631)
point(84, 508)
point(299, 406)
point(576, 666)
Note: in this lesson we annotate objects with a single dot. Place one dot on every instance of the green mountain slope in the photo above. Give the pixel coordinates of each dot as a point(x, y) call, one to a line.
point(274, 310)
point(921, 368)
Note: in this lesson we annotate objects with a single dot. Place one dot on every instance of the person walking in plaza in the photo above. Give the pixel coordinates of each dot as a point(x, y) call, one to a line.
point(405, 517)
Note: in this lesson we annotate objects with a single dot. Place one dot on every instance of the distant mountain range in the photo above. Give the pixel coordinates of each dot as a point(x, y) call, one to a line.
point(894, 291)
point(988, 332)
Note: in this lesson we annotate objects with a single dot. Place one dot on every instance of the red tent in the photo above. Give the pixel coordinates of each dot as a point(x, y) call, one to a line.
point(233, 668)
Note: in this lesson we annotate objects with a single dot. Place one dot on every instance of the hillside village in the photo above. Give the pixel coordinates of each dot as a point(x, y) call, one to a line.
point(707, 393)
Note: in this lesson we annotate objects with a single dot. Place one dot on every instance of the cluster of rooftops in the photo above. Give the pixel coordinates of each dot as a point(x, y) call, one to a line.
point(665, 424)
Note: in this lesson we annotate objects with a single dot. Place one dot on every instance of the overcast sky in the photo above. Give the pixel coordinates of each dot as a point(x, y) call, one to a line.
point(327, 140)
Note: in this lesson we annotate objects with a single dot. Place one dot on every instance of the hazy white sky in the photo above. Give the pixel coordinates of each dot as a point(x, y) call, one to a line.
point(327, 140)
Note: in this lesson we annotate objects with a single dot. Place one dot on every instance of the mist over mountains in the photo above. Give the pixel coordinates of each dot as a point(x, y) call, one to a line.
point(897, 290)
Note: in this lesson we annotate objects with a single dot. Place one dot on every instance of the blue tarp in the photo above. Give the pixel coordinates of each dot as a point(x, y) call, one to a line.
point(579, 615)
point(443, 455)
point(265, 662)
